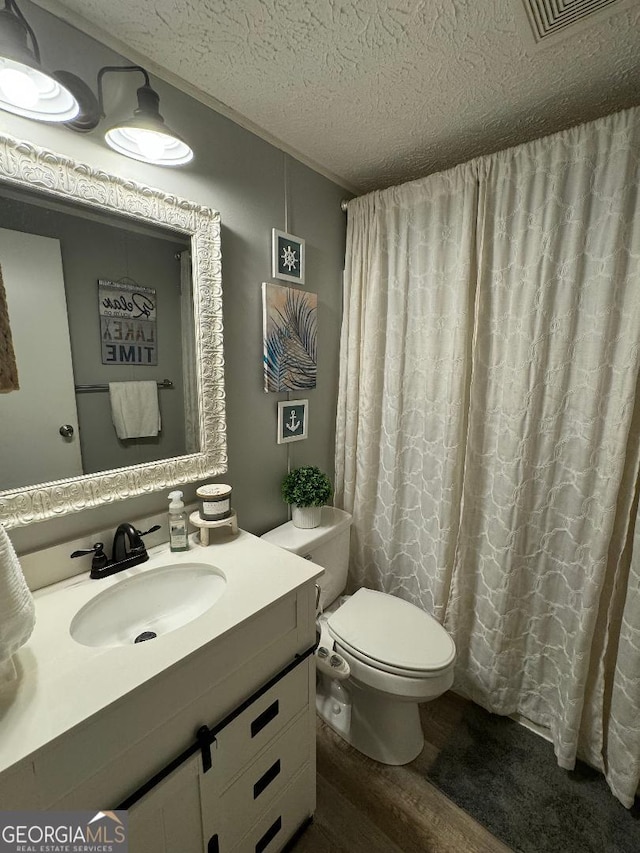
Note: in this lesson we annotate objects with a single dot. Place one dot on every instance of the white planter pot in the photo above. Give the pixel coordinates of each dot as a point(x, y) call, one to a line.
point(306, 516)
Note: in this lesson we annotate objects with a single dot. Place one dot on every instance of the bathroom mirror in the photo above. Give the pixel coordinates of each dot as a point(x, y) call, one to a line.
point(124, 222)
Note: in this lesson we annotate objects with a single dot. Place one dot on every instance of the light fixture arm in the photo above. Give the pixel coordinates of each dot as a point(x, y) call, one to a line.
point(12, 7)
point(108, 68)
point(92, 108)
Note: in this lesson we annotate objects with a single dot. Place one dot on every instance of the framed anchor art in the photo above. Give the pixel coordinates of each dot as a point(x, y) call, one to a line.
point(292, 420)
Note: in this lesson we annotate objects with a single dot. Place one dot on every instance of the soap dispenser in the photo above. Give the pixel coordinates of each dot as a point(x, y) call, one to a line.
point(178, 534)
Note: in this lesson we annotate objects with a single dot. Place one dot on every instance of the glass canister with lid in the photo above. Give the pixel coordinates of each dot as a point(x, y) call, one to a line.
point(215, 501)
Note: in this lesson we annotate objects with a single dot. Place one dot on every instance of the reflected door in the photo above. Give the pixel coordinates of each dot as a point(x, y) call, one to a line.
point(32, 449)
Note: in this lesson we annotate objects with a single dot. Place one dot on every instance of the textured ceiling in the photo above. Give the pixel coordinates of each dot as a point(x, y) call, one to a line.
point(377, 92)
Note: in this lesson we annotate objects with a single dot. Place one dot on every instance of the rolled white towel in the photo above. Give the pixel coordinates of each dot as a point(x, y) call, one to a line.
point(17, 607)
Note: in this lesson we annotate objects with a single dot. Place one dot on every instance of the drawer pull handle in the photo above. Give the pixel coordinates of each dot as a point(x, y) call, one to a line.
point(264, 718)
point(266, 779)
point(213, 846)
point(269, 835)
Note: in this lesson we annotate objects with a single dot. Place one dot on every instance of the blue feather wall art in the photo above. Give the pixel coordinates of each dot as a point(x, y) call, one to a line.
point(290, 332)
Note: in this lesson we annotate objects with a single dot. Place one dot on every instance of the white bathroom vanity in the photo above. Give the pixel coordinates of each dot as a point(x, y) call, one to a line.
point(206, 733)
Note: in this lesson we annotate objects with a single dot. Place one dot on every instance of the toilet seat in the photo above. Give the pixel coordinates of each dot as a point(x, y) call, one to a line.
point(392, 635)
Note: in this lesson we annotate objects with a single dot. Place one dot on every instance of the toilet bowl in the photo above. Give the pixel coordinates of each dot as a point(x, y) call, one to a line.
point(398, 656)
point(381, 656)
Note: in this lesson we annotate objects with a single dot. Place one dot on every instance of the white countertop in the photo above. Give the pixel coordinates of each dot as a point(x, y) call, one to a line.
point(62, 683)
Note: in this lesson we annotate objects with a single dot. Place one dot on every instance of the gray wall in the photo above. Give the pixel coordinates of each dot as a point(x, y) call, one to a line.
point(243, 177)
point(149, 262)
point(93, 250)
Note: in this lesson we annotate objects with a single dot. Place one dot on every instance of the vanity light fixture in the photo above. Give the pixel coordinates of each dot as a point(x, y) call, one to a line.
point(26, 89)
point(144, 136)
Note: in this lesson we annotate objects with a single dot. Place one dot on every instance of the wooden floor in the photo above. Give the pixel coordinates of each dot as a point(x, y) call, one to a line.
point(373, 808)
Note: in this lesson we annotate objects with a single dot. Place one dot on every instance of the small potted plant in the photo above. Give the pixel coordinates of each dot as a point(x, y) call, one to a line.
point(307, 489)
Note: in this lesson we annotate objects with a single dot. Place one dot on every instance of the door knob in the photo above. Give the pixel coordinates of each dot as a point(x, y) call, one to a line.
point(66, 431)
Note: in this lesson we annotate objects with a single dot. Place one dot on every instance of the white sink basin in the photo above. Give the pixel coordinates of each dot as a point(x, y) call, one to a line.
point(150, 604)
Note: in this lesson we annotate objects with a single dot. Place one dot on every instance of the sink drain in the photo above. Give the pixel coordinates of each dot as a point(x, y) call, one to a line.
point(146, 635)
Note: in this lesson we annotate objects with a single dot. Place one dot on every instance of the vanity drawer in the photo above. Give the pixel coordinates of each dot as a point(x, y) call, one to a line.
point(281, 820)
point(239, 742)
point(244, 801)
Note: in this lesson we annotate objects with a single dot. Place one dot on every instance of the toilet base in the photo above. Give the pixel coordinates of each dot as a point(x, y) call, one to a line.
point(380, 727)
point(333, 704)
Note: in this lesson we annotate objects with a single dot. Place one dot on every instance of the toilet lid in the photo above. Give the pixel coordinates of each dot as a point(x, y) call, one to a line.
point(391, 633)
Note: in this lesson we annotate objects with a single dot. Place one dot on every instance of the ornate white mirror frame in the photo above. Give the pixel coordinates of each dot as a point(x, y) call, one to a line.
point(32, 168)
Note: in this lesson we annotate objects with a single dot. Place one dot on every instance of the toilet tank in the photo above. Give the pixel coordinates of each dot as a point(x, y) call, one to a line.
point(326, 545)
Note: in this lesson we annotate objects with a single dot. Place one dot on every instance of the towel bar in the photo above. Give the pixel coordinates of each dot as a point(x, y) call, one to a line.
point(165, 383)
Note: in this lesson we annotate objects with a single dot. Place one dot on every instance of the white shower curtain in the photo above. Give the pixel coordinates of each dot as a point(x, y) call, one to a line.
point(406, 349)
point(488, 425)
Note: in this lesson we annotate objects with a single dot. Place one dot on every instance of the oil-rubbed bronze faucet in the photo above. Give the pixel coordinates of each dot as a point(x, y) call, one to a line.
point(128, 550)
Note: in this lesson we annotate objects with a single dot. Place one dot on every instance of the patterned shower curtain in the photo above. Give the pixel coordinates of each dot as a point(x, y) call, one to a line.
point(488, 435)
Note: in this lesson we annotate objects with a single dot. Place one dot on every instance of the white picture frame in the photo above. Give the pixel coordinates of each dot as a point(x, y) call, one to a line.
point(287, 256)
point(293, 420)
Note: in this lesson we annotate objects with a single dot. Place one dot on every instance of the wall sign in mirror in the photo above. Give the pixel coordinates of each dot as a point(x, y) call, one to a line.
point(127, 323)
point(129, 235)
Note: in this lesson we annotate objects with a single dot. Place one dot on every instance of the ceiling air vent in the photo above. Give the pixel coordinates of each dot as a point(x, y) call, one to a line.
point(548, 18)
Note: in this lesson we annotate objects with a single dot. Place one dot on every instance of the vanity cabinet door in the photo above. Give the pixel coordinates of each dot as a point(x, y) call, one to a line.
point(167, 819)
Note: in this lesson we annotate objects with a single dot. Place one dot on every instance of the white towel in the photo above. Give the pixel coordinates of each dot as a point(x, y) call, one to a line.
point(17, 607)
point(134, 409)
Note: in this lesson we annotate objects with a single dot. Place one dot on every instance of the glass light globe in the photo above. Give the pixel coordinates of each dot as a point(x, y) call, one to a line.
point(31, 93)
point(149, 146)
point(18, 88)
point(152, 145)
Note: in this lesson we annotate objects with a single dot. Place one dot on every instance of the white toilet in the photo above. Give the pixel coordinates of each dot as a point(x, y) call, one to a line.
point(379, 656)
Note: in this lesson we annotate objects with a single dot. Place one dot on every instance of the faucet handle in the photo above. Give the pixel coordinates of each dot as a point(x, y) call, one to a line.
point(100, 559)
point(150, 530)
point(135, 540)
point(97, 548)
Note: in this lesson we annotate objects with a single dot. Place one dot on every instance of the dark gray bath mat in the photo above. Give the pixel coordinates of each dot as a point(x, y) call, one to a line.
point(507, 778)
